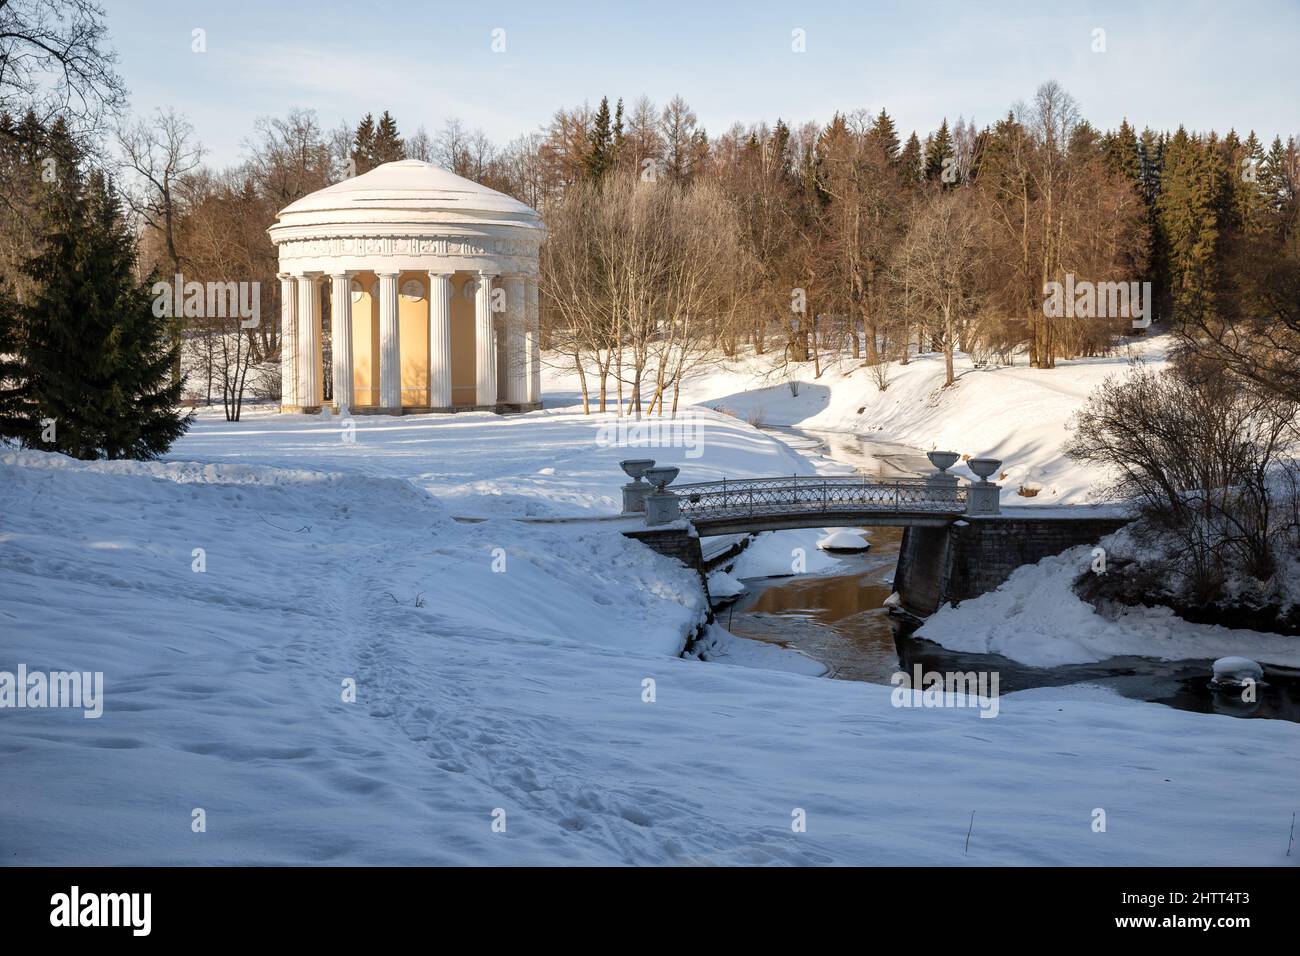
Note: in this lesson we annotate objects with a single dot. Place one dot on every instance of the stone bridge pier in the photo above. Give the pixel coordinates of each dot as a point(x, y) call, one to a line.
point(938, 566)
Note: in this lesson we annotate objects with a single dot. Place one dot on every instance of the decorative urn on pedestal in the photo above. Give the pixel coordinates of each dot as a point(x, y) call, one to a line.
point(942, 461)
point(982, 497)
point(662, 506)
point(635, 491)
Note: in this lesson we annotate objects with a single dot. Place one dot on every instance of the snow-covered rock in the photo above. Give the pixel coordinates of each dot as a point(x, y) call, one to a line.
point(723, 585)
point(844, 539)
point(1236, 671)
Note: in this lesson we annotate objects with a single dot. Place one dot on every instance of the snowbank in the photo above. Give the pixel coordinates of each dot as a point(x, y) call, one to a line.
point(723, 585)
point(781, 553)
point(1035, 618)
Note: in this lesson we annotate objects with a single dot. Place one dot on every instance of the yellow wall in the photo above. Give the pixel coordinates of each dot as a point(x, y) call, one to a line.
point(464, 375)
point(413, 320)
point(365, 342)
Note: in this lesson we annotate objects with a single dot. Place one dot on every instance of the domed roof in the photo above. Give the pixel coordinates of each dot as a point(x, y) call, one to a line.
point(408, 191)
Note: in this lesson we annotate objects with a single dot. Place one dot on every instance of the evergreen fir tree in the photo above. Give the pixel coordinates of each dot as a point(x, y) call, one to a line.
point(780, 151)
point(1251, 197)
point(1151, 164)
point(388, 146)
point(1274, 178)
point(1151, 156)
point(1122, 153)
point(363, 145)
point(938, 147)
point(600, 143)
point(885, 135)
point(16, 421)
point(95, 359)
point(1085, 143)
point(909, 161)
point(1190, 211)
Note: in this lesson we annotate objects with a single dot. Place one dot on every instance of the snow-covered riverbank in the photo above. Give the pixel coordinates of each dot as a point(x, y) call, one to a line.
point(1037, 619)
point(1015, 413)
point(501, 671)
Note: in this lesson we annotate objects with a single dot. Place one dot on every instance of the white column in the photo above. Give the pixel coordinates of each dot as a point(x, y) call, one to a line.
point(288, 341)
point(533, 343)
point(516, 355)
point(485, 343)
point(390, 346)
point(440, 339)
point(341, 338)
point(308, 346)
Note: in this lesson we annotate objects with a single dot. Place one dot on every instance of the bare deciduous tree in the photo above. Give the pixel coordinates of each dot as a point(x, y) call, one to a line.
point(159, 155)
point(54, 61)
point(939, 263)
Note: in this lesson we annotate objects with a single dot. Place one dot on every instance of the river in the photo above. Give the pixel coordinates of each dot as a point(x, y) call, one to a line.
point(840, 620)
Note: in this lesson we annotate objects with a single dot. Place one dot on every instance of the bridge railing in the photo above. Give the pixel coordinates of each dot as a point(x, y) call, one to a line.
point(762, 496)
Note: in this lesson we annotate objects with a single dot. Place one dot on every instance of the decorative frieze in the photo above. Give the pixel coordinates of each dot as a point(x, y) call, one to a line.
point(354, 246)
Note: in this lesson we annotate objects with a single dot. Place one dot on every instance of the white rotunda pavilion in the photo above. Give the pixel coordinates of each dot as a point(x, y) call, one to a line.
point(432, 285)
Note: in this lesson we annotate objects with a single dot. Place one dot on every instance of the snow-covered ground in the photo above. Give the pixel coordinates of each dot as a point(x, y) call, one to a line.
point(515, 669)
point(1015, 413)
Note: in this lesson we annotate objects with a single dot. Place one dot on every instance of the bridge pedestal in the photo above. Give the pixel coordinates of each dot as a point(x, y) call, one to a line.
point(634, 495)
point(982, 498)
point(662, 507)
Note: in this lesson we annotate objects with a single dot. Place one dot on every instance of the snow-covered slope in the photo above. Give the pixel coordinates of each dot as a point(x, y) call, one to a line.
point(1015, 413)
point(520, 691)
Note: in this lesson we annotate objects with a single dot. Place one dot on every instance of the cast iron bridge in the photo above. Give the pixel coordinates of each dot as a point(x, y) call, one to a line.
point(760, 504)
point(941, 558)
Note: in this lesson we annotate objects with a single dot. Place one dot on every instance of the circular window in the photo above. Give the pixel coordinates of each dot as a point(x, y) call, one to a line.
point(358, 290)
point(412, 289)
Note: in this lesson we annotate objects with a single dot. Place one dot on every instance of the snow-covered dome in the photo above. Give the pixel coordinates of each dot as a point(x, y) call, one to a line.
point(409, 191)
point(408, 215)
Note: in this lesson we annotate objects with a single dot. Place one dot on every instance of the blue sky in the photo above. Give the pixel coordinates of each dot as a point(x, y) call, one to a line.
point(1202, 64)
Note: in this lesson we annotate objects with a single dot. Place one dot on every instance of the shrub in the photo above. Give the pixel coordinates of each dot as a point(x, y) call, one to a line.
point(1203, 455)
